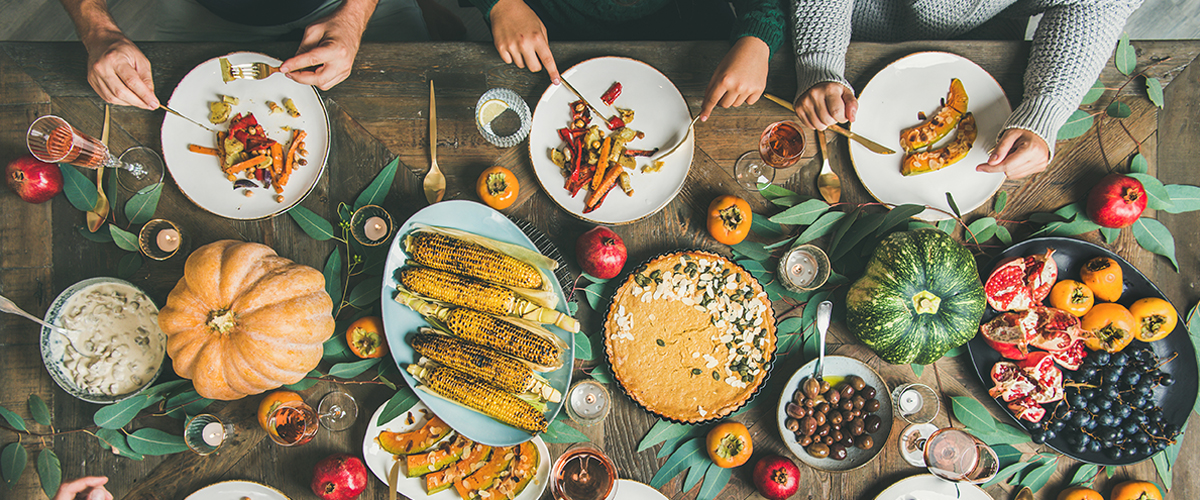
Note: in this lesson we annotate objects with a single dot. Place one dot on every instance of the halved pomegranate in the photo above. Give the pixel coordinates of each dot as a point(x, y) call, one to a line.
point(1027, 409)
point(1010, 381)
point(1071, 357)
point(1019, 283)
point(1009, 333)
point(1056, 329)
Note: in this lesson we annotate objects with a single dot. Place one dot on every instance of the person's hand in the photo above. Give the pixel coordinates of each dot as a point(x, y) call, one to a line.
point(740, 78)
point(521, 37)
point(825, 104)
point(119, 72)
point(330, 45)
point(1018, 153)
point(84, 488)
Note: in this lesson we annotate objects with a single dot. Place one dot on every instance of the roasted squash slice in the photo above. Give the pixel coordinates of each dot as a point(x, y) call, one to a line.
point(483, 478)
point(941, 123)
point(928, 161)
point(419, 464)
point(418, 441)
point(474, 457)
point(520, 473)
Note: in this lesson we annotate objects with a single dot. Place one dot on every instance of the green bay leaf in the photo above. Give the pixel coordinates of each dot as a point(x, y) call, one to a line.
point(583, 346)
point(15, 421)
point(1138, 164)
point(1037, 478)
point(1001, 201)
point(561, 432)
point(353, 368)
point(378, 189)
point(1184, 198)
point(1154, 91)
point(80, 190)
point(119, 414)
point(115, 441)
point(1084, 475)
point(38, 410)
point(820, 227)
point(1159, 199)
point(141, 206)
point(314, 225)
point(150, 441)
point(125, 240)
point(397, 405)
point(49, 472)
point(12, 463)
point(679, 461)
point(1156, 238)
point(972, 413)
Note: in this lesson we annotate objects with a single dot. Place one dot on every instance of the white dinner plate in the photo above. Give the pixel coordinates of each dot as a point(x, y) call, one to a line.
point(627, 489)
point(890, 103)
point(237, 490)
point(380, 461)
point(399, 321)
point(930, 487)
point(659, 111)
point(199, 176)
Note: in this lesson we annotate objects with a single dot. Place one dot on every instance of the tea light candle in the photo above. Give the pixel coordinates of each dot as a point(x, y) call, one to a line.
point(375, 228)
point(910, 401)
point(588, 401)
point(801, 268)
point(167, 240)
point(213, 434)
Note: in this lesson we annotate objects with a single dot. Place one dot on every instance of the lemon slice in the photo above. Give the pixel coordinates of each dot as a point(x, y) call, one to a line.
point(491, 109)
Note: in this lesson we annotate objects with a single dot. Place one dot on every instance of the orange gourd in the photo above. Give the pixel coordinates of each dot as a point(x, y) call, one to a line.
point(244, 320)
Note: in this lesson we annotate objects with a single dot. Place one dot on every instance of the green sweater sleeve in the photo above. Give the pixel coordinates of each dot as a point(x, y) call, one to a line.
point(762, 19)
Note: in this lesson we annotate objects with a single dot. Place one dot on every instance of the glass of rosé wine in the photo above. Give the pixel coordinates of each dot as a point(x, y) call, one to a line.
point(780, 146)
point(52, 140)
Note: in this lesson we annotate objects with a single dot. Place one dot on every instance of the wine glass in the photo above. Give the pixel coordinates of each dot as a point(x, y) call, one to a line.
point(955, 455)
point(780, 146)
point(337, 411)
point(583, 472)
point(292, 423)
point(52, 140)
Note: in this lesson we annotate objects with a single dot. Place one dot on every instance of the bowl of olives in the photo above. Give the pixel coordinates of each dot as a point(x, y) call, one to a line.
point(837, 423)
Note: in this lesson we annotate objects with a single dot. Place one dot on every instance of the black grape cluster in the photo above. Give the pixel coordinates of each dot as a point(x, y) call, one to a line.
point(1109, 407)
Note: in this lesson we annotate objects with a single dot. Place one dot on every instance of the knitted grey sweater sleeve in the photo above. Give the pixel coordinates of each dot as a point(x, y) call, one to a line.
point(821, 34)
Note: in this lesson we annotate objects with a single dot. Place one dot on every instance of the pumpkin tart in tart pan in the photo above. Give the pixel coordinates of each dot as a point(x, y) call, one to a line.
point(690, 336)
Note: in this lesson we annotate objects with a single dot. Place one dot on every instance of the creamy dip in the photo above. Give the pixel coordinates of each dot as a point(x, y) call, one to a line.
point(119, 325)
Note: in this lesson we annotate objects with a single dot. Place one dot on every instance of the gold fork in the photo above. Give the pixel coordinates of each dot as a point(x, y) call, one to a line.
point(248, 71)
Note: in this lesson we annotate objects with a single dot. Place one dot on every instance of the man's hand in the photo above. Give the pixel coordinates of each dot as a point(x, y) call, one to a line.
point(825, 104)
point(84, 488)
point(740, 78)
point(521, 37)
point(119, 72)
point(1018, 153)
point(330, 44)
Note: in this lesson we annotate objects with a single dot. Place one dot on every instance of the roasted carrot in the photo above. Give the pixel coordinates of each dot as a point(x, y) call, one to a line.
point(276, 160)
point(610, 179)
point(602, 164)
point(255, 162)
point(290, 158)
point(196, 148)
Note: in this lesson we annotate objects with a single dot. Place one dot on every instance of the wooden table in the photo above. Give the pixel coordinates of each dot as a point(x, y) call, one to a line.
point(380, 113)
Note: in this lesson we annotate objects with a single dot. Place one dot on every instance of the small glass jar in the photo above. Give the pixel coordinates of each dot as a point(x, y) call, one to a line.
point(916, 403)
point(371, 225)
point(804, 268)
point(205, 433)
point(588, 402)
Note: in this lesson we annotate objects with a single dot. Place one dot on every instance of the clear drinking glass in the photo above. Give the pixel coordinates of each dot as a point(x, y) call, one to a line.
point(780, 146)
point(955, 455)
point(583, 472)
point(337, 411)
point(292, 423)
point(52, 140)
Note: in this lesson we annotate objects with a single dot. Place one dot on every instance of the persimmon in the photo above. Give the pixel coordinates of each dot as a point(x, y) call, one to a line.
point(498, 187)
point(729, 445)
point(1154, 318)
point(1072, 296)
point(729, 219)
point(1103, 275)
point(1079, 493)
point(1135, 490)
point(272, 401)
point(366, 339)
point(1112, 327)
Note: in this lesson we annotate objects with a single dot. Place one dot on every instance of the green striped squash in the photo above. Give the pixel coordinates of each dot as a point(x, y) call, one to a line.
point(920, 297)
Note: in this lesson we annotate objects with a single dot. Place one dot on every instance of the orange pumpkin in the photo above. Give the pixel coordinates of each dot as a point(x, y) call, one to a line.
point(244, 320)
point(1136, 490)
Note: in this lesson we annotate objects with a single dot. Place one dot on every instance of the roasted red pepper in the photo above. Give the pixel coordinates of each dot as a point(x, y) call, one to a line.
point(611, 94)
point(615, 123)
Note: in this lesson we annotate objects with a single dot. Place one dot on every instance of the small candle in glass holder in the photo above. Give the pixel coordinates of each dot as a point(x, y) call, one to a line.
point(167, 240)
point(160, 239)
point(213, 433)
point(371, 225)
point(805, 267)
point(588, 402)
point(375, 228)
point(205, 433)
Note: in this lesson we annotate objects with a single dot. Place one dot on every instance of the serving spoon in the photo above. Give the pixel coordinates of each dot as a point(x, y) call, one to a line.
point(10, 307)
point(824, 311)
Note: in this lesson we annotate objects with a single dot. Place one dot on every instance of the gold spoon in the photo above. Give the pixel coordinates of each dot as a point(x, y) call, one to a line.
point(97, 215)
point(435, 181)
point(828, 183)
point(1024, 494)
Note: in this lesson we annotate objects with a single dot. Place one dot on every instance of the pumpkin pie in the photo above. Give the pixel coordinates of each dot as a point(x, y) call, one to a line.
point(690, 336)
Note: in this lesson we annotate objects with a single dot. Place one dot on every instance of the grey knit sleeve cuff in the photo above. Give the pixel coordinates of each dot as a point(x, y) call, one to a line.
point(818, 67)
point(1041, 115)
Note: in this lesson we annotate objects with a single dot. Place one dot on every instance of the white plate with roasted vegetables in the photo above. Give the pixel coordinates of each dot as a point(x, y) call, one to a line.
point(544, 350)
point(651, 105)
point(437, 457)
point(231, 181)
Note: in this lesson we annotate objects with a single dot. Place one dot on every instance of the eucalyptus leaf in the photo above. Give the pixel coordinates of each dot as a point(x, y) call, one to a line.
point(186, 403)
point(365, 293)
point(947, 226)
point(1047, 218)
point(12, 463)
point(690, 453)
point(1079, 123)
point(1163, 469)
point(80, 190)
point(1003, 434)
point(117, 415)
point(594, 293)
point(150, 441)
point(594, 279)
point(820, 227)
point(309, 380)
point(314, 225)
point(1003, 235)
point(15, 421)
point(560, 432)
point(1084, 475)
point(343, 212)
point(1037, 478)
point(1184, 198)
point(1155, 237)
point(661, 431)
point(1006, 454)
point(602, 374)
point(116, 442)
point(979, 226)
point(1001, 201)
point(336, 350)
point(957, 351)
point(1126, 57)
point(333, 278)
point(844, 226)
point(785, 342)
point(917, 369)
point(751, 250)
point(1138, 164)
point(1008, 472)
point(129, 265)
point(790, 325)
point(100, 236)
point(168, 388)
point(811, 345)
point(866, 225)
point(353, 368)
point(38, 410)
point(1118, 109)
point(49, 472)
point(953, 205)
point(1079, 224)
point(788, 201)
point(715, 480)
point(694, 475)
point(125, 240)
point(399, 404)
point(141, 206)
point(572, 307)
point(583, 346)
point(898, 215)
point(763, 227)
point(1111, 471)
point(802, 214)
point(753, 267)
point(1093, 94)
point(775, 191)
point(378, 189)
point(1159, 199)
point(973, 414)
point(1154, 92)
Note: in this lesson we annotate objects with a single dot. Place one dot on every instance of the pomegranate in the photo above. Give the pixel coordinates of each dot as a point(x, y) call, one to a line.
point(1056, 329)
point(1027, 409)
point(1117, 201)
point(600, 252)
point(34, 181)
point(1071, 357)
point(339, 477)
point(1009, 333)
point(776, 477)
point(1010, 382)
point(1019, 283)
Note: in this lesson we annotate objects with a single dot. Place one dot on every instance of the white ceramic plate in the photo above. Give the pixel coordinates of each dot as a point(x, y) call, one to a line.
point(890, 103)
point(199, 176)
point(380, 462)
point(627, 489)
point(929, 487)
point(237, 490)
point(399, 321)
point(838, 366)
point(659, 111)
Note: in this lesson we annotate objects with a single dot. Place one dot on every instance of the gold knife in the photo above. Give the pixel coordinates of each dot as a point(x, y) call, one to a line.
point(875, 147)
point(176, 113)
point(606, 119)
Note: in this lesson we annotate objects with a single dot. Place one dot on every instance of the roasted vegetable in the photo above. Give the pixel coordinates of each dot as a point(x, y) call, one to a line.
point(420, 440)
point(502, 372)
point(474, 394)
point(929, 161)
point(941, 123)
point(447, 253)
point(503, 336)
point(473, 457)
point(419, 464)
point(487, 475)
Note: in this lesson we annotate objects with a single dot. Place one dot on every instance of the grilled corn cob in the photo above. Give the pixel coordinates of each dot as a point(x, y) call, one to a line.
point(479, 396)
point(502, 336)
point(502, 372)
point(457, 256)
point(478, 295)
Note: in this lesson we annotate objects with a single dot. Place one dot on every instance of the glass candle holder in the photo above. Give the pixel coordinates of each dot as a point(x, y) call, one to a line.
point(205, 433)
point(588, 402)
point(371, 225)
point(160, 239)
point(804, 268)
point(916, 403)
point(912, 443)
point(502, 117)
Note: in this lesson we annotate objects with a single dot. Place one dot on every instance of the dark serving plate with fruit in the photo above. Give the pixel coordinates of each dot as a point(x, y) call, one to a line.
point(1165, 369)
